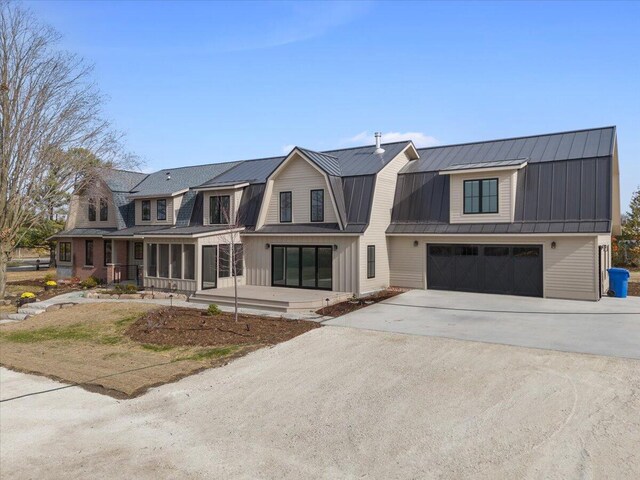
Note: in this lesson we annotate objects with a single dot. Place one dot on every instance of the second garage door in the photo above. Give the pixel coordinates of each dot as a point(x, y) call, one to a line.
point(505, 269)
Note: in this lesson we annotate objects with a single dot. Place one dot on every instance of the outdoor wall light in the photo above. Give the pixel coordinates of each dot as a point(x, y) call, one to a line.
point(415, 243)
point(267, 246)
point(335, 247)
point(553, 244)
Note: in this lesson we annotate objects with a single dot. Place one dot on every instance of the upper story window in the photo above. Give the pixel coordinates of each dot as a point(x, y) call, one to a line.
point(161, 209)
point(481, 196)
point(92, 210)
point(219, 209)
point(317, 205)
point(146, 210)
point(285, 207)
point(104, 210)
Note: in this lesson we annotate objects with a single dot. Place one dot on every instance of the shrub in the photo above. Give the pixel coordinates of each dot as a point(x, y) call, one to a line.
point(28, 295)
point(213, 310)
point(49, 277)
point(119, 289)
point(90, 282)
point(50, 283)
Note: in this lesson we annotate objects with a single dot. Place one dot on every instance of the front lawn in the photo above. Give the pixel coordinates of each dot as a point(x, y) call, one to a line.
point(124, 349)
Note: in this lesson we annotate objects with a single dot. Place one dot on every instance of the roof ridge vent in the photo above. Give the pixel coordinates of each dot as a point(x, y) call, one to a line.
point(379, 150)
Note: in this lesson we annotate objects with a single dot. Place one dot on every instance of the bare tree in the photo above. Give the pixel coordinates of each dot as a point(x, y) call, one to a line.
point(48, 108)
point(236, 252)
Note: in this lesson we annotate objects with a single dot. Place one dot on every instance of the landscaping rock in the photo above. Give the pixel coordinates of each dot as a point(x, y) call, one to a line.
point(17, 316)
point(55, 306)
point(130, 296)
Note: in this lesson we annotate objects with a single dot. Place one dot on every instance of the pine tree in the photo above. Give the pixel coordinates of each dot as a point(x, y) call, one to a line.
point(631, 230)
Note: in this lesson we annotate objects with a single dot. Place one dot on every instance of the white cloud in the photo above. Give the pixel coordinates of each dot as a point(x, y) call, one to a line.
point(287, 148)
point(366, 138)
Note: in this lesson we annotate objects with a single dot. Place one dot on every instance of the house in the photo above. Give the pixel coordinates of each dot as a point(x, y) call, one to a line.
point(522, 216)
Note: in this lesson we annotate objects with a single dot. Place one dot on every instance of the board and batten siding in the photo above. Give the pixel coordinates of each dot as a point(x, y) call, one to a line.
point(570, 270)
point(345, 258)
point(219, 240)
point(384, 192)
point(234, 200)
point(507, 181)
point(163, 283)
point(299, 177)
point(173, 204)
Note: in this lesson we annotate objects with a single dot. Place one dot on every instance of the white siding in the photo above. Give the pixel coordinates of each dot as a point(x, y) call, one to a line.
point(506, 198)
point(345, 258)
point(299, 177)
point(569, 271)
point(154, 211)
point(384, 192)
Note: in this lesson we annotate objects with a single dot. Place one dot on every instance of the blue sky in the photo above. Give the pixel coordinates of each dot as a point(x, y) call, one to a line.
point(193, 83)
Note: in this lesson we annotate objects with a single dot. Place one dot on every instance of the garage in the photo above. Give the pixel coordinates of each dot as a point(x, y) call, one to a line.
point(501, 269)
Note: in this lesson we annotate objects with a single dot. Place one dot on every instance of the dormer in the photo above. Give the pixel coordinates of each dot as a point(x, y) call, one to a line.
point(220, 203)
point(483, 192)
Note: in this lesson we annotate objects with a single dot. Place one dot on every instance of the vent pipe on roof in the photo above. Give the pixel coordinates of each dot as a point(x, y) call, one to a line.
point(168, 175)
point(379, 149)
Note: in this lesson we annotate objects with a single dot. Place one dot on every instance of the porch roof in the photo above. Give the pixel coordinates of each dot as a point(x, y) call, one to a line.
point(309, 228)
point(83, 232)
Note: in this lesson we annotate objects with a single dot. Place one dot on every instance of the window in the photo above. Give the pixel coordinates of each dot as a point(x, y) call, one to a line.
point(496, 251)
point(146, 210)
point(189, 252)
point(161, 209)
point(104, 210)
point(481, 196)
point(285, 207)
point(88, 252)
point(92, 210)
point(65, 251)
point(219, 209)
point(239, 256)
point(176, 260)
point(224, 264)
point(371, 261)
point(317, 205)
point(163, 260)
point(138, 251)
point(107, 252)
point(152, 256)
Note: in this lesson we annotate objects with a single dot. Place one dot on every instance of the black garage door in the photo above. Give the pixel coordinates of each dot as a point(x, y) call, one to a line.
point(506, 269)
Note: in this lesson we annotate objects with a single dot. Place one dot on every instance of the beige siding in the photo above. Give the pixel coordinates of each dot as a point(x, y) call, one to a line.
point(385, 188)
point(154, 211)
point(345, 258)
point(234, 200)
point(605, 240)
point(79, 213)
point(299, 177)
point(169, 283)
point(570, 270)
point(219, 240)
point(506, 198)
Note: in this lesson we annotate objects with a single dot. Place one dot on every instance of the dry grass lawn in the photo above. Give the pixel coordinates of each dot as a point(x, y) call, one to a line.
point(86, 345)
point(29, 275)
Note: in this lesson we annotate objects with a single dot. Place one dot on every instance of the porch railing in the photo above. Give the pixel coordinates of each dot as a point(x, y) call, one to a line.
point(127, 274)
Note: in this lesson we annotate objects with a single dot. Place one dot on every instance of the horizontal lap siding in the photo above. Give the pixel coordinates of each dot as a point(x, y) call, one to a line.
point(506, 200)
point(154, 211)
point(570, 270)
point(345, 258)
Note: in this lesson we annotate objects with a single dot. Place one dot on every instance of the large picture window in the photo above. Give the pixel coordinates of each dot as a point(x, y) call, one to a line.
point(104, 210)
point(285, 207)
point(317, 205)
point(88, 252)
point(146, 210)
point(65, 251)
point(189, 262)
point(91, 210)
point(224, 263)
point(219, 209)
point(161, 209)
point(481, 196)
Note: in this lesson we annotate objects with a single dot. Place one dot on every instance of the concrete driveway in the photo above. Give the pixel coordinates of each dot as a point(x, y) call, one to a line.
point(609, 327)
point(341, 403)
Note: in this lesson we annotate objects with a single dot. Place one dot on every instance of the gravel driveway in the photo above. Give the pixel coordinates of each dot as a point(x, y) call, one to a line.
point(342, 403)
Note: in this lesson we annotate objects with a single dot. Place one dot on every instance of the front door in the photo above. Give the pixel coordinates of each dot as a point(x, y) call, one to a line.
point(209, 266)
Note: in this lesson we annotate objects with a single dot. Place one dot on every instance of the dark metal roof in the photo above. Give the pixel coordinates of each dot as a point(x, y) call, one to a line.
point(135, 230)
point(183, 218)
point(250, 203)
point(83, 232)
point(363, 160)
point(597, 142)
point(500, 228)
point(252, 171)
point(192, 230)
point(328, 163)
point(182, 178)
point(516, 162)
point(358, 197)
point(305, 228)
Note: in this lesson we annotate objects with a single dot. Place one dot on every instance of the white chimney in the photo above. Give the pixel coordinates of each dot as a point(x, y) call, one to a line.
point(379, 149)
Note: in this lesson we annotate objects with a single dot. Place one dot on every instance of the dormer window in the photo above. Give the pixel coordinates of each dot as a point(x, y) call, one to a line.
point(146, 210)
point(219, 209)
point(92, 210)
point(161, 209)
point(481, 196)
point(317, 205)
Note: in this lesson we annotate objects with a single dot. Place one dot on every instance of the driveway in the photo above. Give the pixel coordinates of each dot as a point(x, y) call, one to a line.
point(609, 327)
point(341, 403)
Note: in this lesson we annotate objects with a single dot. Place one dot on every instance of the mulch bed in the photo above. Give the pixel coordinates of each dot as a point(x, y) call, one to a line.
point(634, 289)
point(351, 306)
point(180, 326)
point(47, 294)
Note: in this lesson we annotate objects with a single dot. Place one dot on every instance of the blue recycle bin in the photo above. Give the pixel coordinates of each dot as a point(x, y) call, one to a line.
point(618, 282)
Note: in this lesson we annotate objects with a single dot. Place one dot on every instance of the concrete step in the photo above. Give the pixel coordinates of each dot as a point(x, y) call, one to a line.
point(249, 304)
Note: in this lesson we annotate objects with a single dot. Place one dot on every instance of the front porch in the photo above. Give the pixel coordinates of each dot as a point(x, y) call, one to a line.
point(275, 299)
